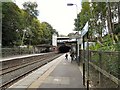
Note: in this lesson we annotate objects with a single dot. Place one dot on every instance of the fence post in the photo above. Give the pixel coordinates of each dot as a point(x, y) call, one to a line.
point(100, 65)
point(1, 29)
point(84, 61)
point(88, 57)
point(118, 70)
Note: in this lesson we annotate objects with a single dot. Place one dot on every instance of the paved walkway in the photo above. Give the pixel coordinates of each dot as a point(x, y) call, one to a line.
point(60, 73)
point(64, 75)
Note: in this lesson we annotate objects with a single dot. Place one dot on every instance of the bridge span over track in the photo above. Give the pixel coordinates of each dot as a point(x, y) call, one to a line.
point(64, 44)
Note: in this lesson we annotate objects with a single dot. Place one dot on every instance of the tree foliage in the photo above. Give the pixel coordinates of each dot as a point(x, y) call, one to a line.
point(103, 18)
point(15, 21)
point(11, 19)
point(31, 8)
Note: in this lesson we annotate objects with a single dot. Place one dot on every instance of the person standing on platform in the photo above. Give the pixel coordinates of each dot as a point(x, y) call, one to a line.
point(72, 56)
point(66, 56)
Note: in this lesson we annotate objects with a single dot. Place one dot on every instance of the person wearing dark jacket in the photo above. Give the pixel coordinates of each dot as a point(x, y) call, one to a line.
point(66, 56)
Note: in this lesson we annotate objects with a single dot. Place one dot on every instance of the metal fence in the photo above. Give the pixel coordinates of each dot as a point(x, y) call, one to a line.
point(102, 69)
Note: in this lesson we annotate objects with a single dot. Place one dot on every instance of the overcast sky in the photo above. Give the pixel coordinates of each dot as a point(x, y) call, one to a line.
point(57, 13)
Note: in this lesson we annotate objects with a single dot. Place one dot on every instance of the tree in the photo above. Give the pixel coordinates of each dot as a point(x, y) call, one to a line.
point(31, 8)
point(30, 12)
point(10, 23)
point(37, 32)
point(83, 16)
point(103, 12)
point(31, 23)
point(47, 32)
point(16, 20)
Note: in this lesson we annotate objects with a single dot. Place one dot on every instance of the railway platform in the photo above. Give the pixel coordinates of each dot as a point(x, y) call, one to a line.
point(59, 73)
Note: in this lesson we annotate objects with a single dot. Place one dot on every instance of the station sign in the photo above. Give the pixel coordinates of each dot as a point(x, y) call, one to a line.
point(84, 30)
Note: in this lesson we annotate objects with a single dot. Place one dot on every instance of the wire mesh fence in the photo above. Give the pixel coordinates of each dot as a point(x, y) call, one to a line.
point(102, 69)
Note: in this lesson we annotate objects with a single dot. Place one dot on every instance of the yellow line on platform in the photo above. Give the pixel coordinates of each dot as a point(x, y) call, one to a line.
point(36, 84)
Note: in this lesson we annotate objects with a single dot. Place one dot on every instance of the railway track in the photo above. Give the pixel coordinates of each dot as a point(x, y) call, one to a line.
point(12, 74)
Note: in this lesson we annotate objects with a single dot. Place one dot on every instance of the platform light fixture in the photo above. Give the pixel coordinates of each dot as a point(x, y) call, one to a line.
point(77, 39)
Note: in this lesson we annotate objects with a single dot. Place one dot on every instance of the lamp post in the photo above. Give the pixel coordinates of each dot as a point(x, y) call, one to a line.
point(71, 4)
point(23, 37)
point(77, 38)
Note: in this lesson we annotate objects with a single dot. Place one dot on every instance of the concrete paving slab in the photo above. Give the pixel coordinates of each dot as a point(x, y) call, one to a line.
point(57, 80)
point(22, 86)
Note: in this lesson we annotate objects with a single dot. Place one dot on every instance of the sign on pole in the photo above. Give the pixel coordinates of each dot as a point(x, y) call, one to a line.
point(85, 30)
